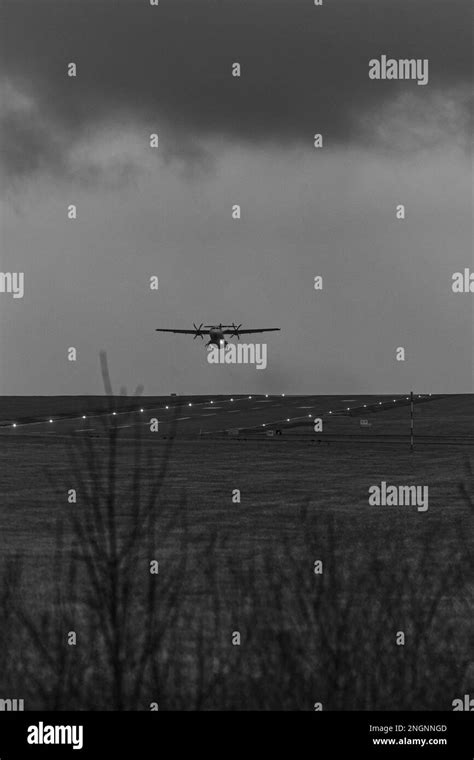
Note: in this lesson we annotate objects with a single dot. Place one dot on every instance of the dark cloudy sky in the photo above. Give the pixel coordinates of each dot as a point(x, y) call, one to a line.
point(223, 140)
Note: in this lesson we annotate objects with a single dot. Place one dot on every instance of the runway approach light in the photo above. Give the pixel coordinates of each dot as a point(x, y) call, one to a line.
point(263, 424)
point(310, 415)
point(166, 407)
point(211, 402)
point(250, 396)
point(232, 399)
point(51, 420)
point(330, 412)
point(83, 416)
point(266, 395)
point(283, 394)
point(141, 410)
point(189, 404)
point(288, 419)
point(114, 413)
point(14, 424)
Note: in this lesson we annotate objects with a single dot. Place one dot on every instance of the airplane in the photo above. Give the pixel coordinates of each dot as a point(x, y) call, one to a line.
point(217, 332)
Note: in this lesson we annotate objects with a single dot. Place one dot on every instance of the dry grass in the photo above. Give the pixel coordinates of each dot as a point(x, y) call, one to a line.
point(167, 638)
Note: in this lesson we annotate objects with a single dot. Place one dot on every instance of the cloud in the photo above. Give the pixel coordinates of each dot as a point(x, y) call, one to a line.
point(168, 68)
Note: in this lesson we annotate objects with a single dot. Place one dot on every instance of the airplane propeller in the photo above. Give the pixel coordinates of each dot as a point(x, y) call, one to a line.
point(198, 331)
point(236, 329)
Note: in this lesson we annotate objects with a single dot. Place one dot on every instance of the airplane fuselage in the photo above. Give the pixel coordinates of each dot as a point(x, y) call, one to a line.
point(216, 336)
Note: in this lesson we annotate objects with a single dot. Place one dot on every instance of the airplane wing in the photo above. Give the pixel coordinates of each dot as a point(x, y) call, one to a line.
point(246, 332)
point(184, 332)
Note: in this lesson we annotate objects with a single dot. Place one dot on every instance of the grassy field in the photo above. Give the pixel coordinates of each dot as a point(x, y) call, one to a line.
point(228, 566)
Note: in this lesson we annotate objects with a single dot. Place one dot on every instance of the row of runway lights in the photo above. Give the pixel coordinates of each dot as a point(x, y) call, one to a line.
point(348, 409)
